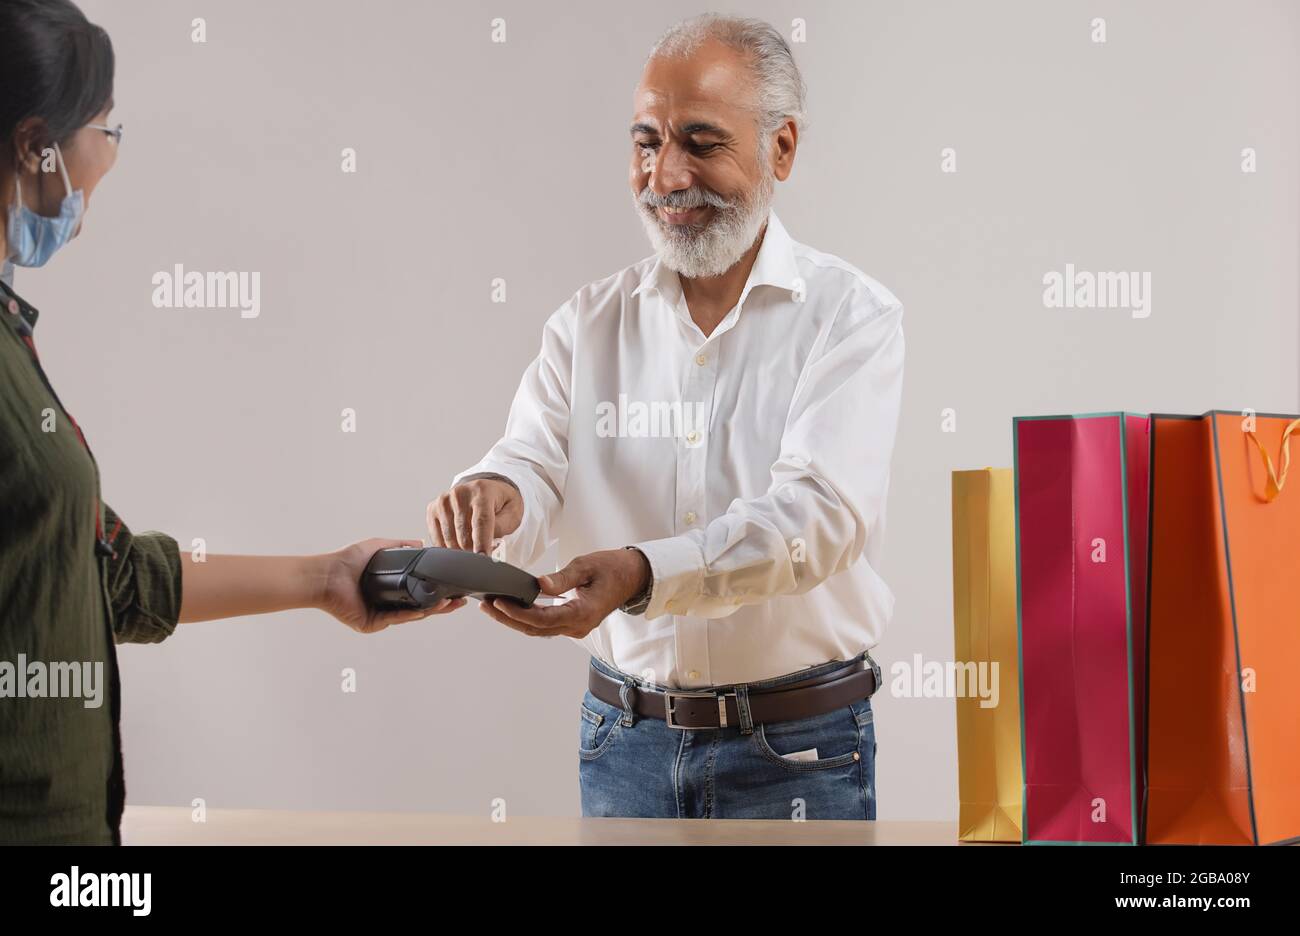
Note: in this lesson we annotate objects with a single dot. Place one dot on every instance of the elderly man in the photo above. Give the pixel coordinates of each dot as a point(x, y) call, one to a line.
point(707, 434)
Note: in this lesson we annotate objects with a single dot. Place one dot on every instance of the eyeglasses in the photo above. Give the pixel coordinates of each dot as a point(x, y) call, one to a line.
point(114, 132)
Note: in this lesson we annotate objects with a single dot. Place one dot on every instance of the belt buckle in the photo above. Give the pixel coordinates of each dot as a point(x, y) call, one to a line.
point(669, 708)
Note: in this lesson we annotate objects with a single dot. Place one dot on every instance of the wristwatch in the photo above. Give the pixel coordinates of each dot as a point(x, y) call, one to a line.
point(638, 603)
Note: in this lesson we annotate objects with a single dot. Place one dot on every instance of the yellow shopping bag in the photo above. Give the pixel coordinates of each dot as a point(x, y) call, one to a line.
point(984, 630)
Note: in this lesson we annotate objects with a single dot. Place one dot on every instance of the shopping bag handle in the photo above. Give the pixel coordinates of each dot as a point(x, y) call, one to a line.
point(1275, 481)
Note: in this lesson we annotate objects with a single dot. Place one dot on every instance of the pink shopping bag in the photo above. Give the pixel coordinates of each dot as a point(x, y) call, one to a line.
point(1081, 530)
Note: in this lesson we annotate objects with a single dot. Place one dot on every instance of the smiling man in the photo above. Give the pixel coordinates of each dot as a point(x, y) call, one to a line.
point(721, 569)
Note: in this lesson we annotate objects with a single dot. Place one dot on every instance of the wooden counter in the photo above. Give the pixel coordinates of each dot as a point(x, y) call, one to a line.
point(172, 825)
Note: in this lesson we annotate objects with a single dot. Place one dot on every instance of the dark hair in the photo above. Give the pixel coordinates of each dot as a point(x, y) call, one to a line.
point(54, 64)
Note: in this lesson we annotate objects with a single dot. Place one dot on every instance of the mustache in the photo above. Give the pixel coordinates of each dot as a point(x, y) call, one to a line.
point(684, 201)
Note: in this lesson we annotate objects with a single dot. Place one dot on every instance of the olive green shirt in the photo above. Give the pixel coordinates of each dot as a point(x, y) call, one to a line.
point(67, 592)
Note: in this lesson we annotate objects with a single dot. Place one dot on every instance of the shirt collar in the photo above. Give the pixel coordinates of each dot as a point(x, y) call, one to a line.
point(774, 266)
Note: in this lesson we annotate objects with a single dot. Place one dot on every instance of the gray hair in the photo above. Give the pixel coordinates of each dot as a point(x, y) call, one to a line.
point(779, 89)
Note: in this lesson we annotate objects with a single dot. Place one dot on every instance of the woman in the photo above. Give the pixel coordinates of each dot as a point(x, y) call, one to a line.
point(73, 577)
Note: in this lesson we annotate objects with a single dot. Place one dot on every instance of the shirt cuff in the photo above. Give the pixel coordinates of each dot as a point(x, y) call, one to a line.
point(677, 573)
point(477, 475)
point(511, 543)
point(145, 581)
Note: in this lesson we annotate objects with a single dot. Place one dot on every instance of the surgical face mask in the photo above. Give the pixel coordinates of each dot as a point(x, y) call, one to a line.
point(34, 238)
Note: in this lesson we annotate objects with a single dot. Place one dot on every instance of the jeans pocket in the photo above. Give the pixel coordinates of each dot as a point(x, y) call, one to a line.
point(598, 727)
point(866, 718)
point(836, 736)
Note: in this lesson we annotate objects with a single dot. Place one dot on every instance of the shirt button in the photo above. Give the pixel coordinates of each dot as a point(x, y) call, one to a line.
point(13, 306)
point(690, 516)
point(692, 437)
point(694, 674)
point(701, 359)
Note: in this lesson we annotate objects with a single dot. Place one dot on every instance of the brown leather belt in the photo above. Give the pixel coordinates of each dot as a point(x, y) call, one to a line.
point(716, 708)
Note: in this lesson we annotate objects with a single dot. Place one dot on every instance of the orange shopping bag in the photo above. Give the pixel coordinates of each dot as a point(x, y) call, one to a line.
point(1223, 705)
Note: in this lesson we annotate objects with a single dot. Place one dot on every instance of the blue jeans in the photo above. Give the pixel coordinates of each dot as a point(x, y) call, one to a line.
point(630, 765)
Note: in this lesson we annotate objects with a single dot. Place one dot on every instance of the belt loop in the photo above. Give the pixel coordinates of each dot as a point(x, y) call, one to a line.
point(624, 695)
point(742, 706)
point(875, 670)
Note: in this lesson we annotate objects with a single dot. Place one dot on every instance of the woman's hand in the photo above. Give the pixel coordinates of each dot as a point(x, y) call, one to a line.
point(340, 592)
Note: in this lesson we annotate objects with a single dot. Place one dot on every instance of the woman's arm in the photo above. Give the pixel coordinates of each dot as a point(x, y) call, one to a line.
point(152, 585)
point(232, 586)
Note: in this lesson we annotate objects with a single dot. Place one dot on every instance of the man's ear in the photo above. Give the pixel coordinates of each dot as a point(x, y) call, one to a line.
point(784, 143)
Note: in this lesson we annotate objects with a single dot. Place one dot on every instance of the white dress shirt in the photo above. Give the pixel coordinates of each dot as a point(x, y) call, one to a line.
point(751, 466)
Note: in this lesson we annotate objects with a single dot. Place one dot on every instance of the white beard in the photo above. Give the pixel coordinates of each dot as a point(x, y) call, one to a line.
point(696, 252)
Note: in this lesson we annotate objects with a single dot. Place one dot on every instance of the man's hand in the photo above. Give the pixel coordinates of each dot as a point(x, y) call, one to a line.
point(340, 589)
point(603, 582)
point(474, 514)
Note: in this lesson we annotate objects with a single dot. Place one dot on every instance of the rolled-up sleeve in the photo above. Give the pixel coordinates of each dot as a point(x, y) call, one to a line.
point(144, 582)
